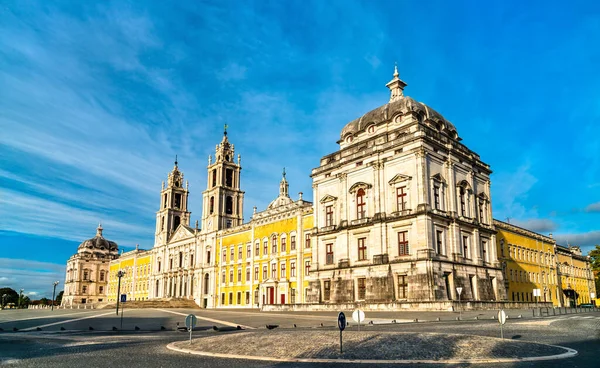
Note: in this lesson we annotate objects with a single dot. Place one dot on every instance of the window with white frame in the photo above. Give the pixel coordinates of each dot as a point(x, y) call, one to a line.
point(403, 248)
point(401, 199)
point(361, 206)
point(282, 269)
point(329, 215)
point(439, 241)
point(292, 268)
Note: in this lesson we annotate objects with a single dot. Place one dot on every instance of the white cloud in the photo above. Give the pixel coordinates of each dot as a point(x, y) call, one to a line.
point(537, 225)
point(594, 207)
point(36, 278)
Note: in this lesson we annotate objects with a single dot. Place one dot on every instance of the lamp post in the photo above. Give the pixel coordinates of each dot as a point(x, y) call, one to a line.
point(4, 300)
point(20, 297)
point(53, 293)
point(119, 275)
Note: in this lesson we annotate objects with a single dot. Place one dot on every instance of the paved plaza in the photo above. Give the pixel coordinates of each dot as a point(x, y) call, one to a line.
point(62, 338)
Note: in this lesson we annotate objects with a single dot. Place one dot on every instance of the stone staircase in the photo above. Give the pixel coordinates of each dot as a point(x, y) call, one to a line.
point(154, 303)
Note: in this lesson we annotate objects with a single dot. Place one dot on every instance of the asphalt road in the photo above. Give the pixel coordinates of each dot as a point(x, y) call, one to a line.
point(78, 346)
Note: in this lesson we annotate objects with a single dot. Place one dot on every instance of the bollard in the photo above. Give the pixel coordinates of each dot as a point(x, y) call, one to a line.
point(533, 312)
point(437, 319)
point(415, 320)
point(476, 318)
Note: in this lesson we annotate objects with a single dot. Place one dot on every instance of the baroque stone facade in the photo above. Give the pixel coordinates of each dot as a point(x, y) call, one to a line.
point(87, 271)
point(402, 212)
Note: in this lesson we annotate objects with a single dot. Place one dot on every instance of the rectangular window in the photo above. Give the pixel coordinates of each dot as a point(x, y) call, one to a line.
point(231, 254)
point(329, 216)
point(223, 298)
point(293, 296)
point(257, 249)
point(293, 269)
point(101, 289)
point(439, 241)
point(240, 253)
point(283, 245)
point(401, 203)
point(265, 248)
point(274, 271)
point(84, 289)
point(463, 201)
point(436, 197)
point(329, 254)
point(230, 298)
point(229, 177)
point(247, 274)
point(306, 268)
point(239, 297)
point(481, 212)
point(403, 249)
point(223, 278)
point(256, 273)
point(293, 242)
point(282, 270)
point(484, 251)
point(402, 287)
point(264, 272)
point(362, 288)
point(214, 177)
point(256, 297)
point(307, 241)
point(362, 249)
point(465, 244)
point(247, 297)
point(231, 276)
point(248, 251)
point(326, 289)
point(274, 244)
point(192, 260)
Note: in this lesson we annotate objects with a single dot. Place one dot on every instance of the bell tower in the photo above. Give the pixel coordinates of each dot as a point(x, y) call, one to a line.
point(223, 201)
point(173, 206)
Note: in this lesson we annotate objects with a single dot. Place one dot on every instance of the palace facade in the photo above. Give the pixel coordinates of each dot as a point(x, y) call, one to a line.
point(402, 214)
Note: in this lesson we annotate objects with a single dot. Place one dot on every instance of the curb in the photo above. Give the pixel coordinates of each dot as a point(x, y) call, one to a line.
point(570, 353)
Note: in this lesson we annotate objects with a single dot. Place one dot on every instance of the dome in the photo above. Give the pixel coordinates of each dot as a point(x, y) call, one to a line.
point(97, 243)
point(400, 106)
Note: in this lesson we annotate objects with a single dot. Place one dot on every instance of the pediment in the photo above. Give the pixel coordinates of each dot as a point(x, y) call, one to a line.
point(438, 177)
point(359, 185)
point(398, 178)
point(182, 232)
point(328, 198)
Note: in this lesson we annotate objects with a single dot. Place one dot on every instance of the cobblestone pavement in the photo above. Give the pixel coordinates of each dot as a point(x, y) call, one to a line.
point(369, 345)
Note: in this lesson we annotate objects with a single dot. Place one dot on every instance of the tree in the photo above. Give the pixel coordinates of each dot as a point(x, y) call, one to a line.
point(11, 296)
point(595, 258)
point(45, 301)
point(59, 298)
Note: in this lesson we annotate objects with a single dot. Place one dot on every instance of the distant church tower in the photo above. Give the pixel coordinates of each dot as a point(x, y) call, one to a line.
point(223, 201)
point(173, 206)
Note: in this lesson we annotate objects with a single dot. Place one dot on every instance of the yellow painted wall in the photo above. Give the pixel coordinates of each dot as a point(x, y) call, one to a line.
point(575, 274)
point(228, 291)
point(137, 267)
point(530, 264)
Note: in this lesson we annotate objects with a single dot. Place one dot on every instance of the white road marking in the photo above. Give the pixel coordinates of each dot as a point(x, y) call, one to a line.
point(48, 316)
point(67, 321)
point(231, 324)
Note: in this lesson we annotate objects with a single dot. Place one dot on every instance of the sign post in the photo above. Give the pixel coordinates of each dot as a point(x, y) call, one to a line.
point(358, 316)
point(537, 293)
point(342, 326)
point(501, 320)
point(459, 291)
point(190, 323)
point(123, 300)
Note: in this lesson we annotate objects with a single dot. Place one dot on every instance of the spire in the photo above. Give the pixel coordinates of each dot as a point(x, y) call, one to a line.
point(99, 230)
point(175, 160)
point(225, 129)
point(284, 186)
point(396, 86)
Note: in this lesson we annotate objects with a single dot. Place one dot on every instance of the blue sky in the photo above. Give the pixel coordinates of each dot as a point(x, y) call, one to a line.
point(96, 99)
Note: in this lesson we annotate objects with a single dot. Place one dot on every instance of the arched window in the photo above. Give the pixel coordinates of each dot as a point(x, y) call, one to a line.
point(360, 204)
point(229, 205)
point(463, 201)
point(85, 274)
point(212, 204)
point(162, 223)
point(102, 275)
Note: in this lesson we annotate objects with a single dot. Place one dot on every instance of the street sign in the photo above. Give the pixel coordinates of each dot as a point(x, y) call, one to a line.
point(501, 317)
point(358, 316)
point(123, 298)
point(190, 321)
point(537, 292)
point(342, 321)
point(501, 320)
point(342, 326)
point(592, 295)
point(459, 290)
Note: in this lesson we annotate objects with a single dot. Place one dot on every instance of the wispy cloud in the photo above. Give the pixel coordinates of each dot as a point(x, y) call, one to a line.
point(537, 225)
point(36, 278)
point(594, 207)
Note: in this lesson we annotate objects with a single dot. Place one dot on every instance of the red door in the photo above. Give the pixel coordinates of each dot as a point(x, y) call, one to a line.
point(271, 295)
point(282, 298)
